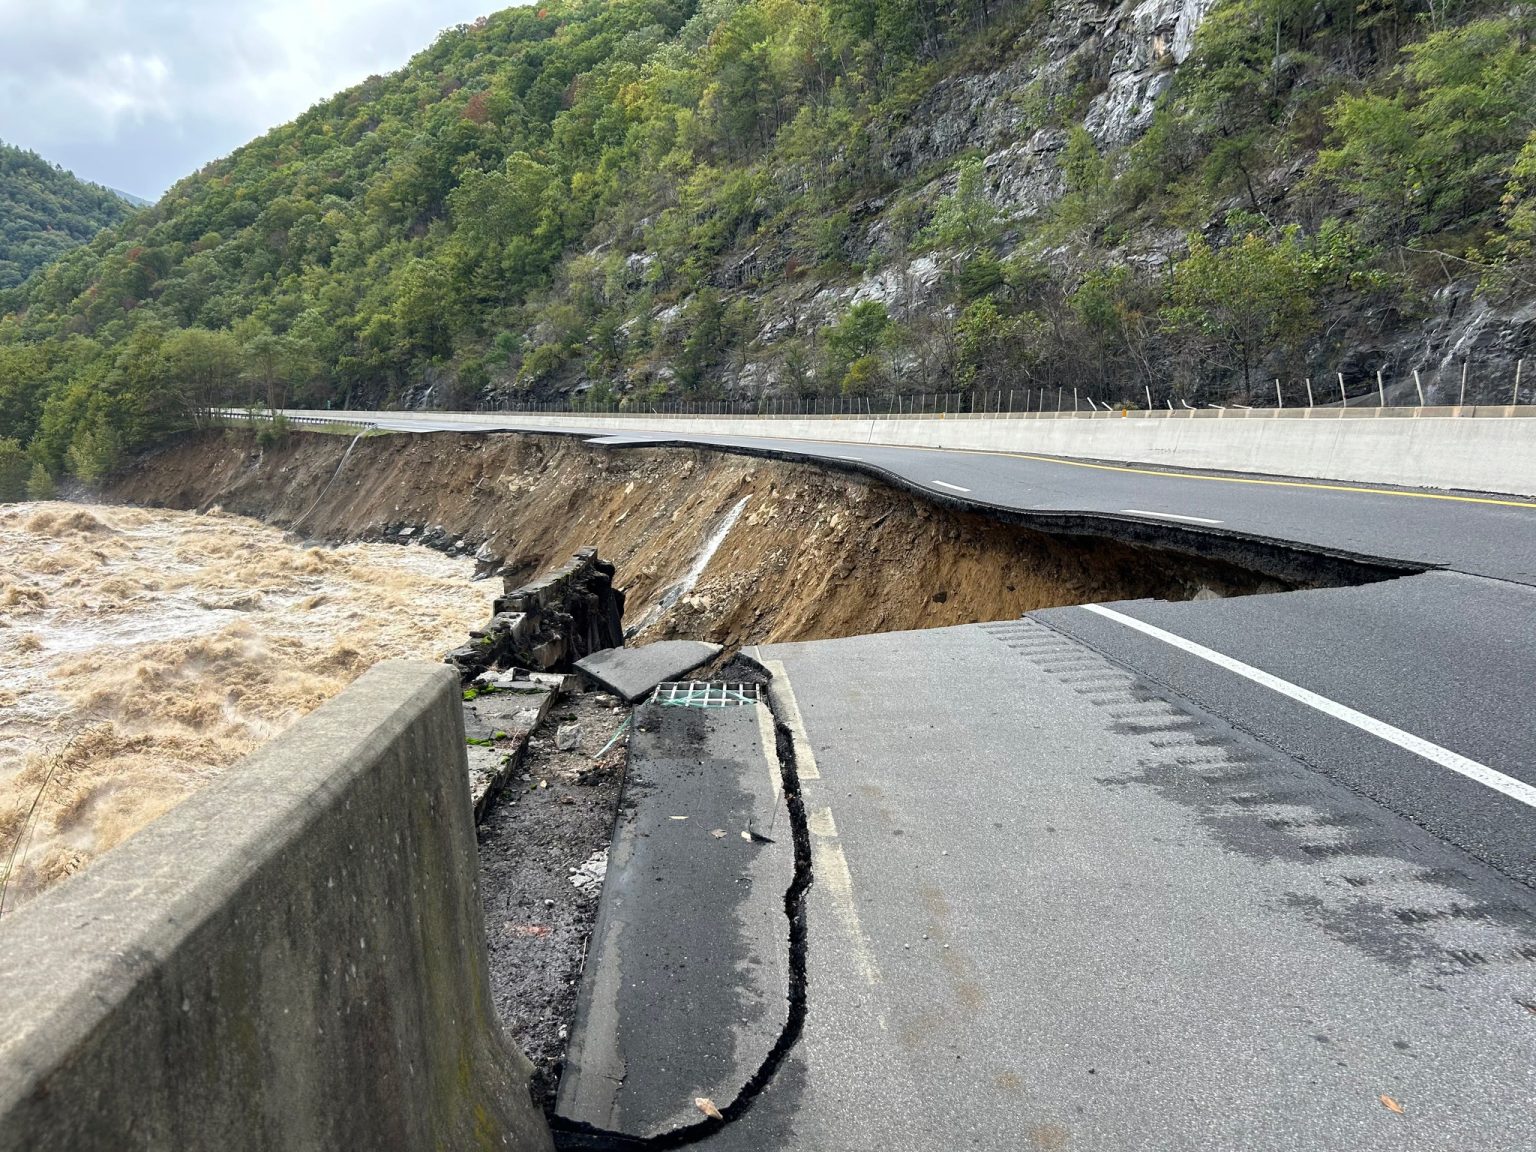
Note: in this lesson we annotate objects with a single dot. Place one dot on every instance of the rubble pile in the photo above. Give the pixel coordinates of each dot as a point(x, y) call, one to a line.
point(548, 625)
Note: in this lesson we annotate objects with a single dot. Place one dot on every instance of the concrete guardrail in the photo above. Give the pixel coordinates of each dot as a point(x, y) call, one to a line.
point(293, 958)
point(1415, 447)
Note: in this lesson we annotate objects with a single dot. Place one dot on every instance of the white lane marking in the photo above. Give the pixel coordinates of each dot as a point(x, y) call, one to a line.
point(1169, 516)
point(822, 824)
point(1462, 765)
point(834, 879)
point(952, 487)
point(784, 692)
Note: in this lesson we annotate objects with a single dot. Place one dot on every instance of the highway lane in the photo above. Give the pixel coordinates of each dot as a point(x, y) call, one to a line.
point(1444, 657)
point(1054, 908)
point(1486, 535)
point(1448, 657)
point(1078, 884)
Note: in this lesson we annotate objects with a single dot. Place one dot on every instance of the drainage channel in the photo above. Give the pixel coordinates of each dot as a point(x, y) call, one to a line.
point(570, 1134)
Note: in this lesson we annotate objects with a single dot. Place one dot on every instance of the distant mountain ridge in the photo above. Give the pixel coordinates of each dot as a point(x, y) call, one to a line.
point(135, 201)
point(45, 211)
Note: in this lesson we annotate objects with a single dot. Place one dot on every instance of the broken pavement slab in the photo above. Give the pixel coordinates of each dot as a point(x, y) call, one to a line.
point(497, 725)
point(634, 673)
point(687, 982)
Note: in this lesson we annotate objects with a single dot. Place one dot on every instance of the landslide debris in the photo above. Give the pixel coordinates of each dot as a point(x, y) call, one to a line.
point(812, 554)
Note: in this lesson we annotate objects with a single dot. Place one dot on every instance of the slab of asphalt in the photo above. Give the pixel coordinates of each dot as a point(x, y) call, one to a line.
point(1058, 906)
point(634, 673)
point(686, 988)
point(1446, 657)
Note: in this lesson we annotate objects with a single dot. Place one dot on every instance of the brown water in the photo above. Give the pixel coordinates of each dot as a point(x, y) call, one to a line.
point(142, 652)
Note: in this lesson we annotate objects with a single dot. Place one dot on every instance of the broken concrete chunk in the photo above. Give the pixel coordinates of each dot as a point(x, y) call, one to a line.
point(568, 737)
point(563, 683)
point(547, 624)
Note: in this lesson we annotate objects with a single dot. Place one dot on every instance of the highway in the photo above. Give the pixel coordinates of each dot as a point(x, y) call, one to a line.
point(1247, 873)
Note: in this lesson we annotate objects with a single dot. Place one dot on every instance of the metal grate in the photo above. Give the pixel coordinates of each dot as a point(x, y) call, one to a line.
point(700, 694)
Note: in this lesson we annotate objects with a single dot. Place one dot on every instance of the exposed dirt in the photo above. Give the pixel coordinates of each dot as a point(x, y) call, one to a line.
point(814, 554)
point(544, 826)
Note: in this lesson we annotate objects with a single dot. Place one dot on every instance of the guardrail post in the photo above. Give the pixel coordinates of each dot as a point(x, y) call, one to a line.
point(1309, 393)
point(1381, 389)
point(1462, 403)
point(1343, 399)
point(1279, 399)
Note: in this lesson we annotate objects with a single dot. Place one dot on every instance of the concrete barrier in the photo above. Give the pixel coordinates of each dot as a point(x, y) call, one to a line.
point(1482, 450)
point(292, 959)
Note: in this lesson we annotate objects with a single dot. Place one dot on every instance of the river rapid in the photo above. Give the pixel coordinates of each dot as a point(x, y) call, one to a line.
point(144, 651)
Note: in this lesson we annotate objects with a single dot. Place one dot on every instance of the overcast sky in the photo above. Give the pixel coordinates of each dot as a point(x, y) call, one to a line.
point(137, 94)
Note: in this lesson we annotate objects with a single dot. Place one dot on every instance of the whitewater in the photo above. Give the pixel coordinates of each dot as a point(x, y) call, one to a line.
point(144, 651)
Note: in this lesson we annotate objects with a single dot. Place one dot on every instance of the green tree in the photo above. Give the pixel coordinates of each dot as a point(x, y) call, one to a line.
point(40, 485)
point(1439, 149)
point(205, 364)
point(965, 218)
point(864, 330)
point(13, 471)
point(1246, 298)
point(95, 451)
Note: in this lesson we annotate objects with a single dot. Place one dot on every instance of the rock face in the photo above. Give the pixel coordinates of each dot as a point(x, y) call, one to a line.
point(1150, 41)
point(549, 624)
point(1102, 63)
point(1126, 52)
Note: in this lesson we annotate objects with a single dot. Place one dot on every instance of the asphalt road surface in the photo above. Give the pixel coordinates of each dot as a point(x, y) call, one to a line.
point(1253, 873)
point(1480, 534)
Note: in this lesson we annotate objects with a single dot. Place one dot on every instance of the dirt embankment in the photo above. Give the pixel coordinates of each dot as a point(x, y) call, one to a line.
point(813, 554)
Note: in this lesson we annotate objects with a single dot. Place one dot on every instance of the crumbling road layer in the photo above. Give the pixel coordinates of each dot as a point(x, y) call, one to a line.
point(813, 554)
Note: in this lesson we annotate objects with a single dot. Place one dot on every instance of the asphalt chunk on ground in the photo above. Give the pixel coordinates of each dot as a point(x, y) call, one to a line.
point(634, 673)
point(686, 988)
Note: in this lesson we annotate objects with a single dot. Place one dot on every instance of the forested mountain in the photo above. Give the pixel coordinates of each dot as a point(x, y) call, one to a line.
point(45, 211)
point(627, 199)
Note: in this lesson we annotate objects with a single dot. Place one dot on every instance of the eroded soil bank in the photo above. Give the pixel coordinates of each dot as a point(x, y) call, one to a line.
point(812, 554)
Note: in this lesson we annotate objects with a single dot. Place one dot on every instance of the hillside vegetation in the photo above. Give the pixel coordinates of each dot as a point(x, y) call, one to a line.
point(629, 200)
point(45, 211)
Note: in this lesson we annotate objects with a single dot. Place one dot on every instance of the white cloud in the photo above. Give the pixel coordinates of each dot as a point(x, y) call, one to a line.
point(138, 94)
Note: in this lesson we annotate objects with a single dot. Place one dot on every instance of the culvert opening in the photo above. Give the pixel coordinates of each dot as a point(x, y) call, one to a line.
point(736, 548)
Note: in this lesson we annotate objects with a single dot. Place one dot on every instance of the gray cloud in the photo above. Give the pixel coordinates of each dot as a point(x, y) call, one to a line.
point(137, 95)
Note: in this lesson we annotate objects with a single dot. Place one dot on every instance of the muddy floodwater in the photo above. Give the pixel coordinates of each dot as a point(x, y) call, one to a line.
point(144, 651)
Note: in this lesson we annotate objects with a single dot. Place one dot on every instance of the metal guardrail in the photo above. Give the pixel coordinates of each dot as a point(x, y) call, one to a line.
point(264, 416)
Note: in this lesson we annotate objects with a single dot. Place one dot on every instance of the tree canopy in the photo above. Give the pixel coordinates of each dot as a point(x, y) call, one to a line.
point(44, 212)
